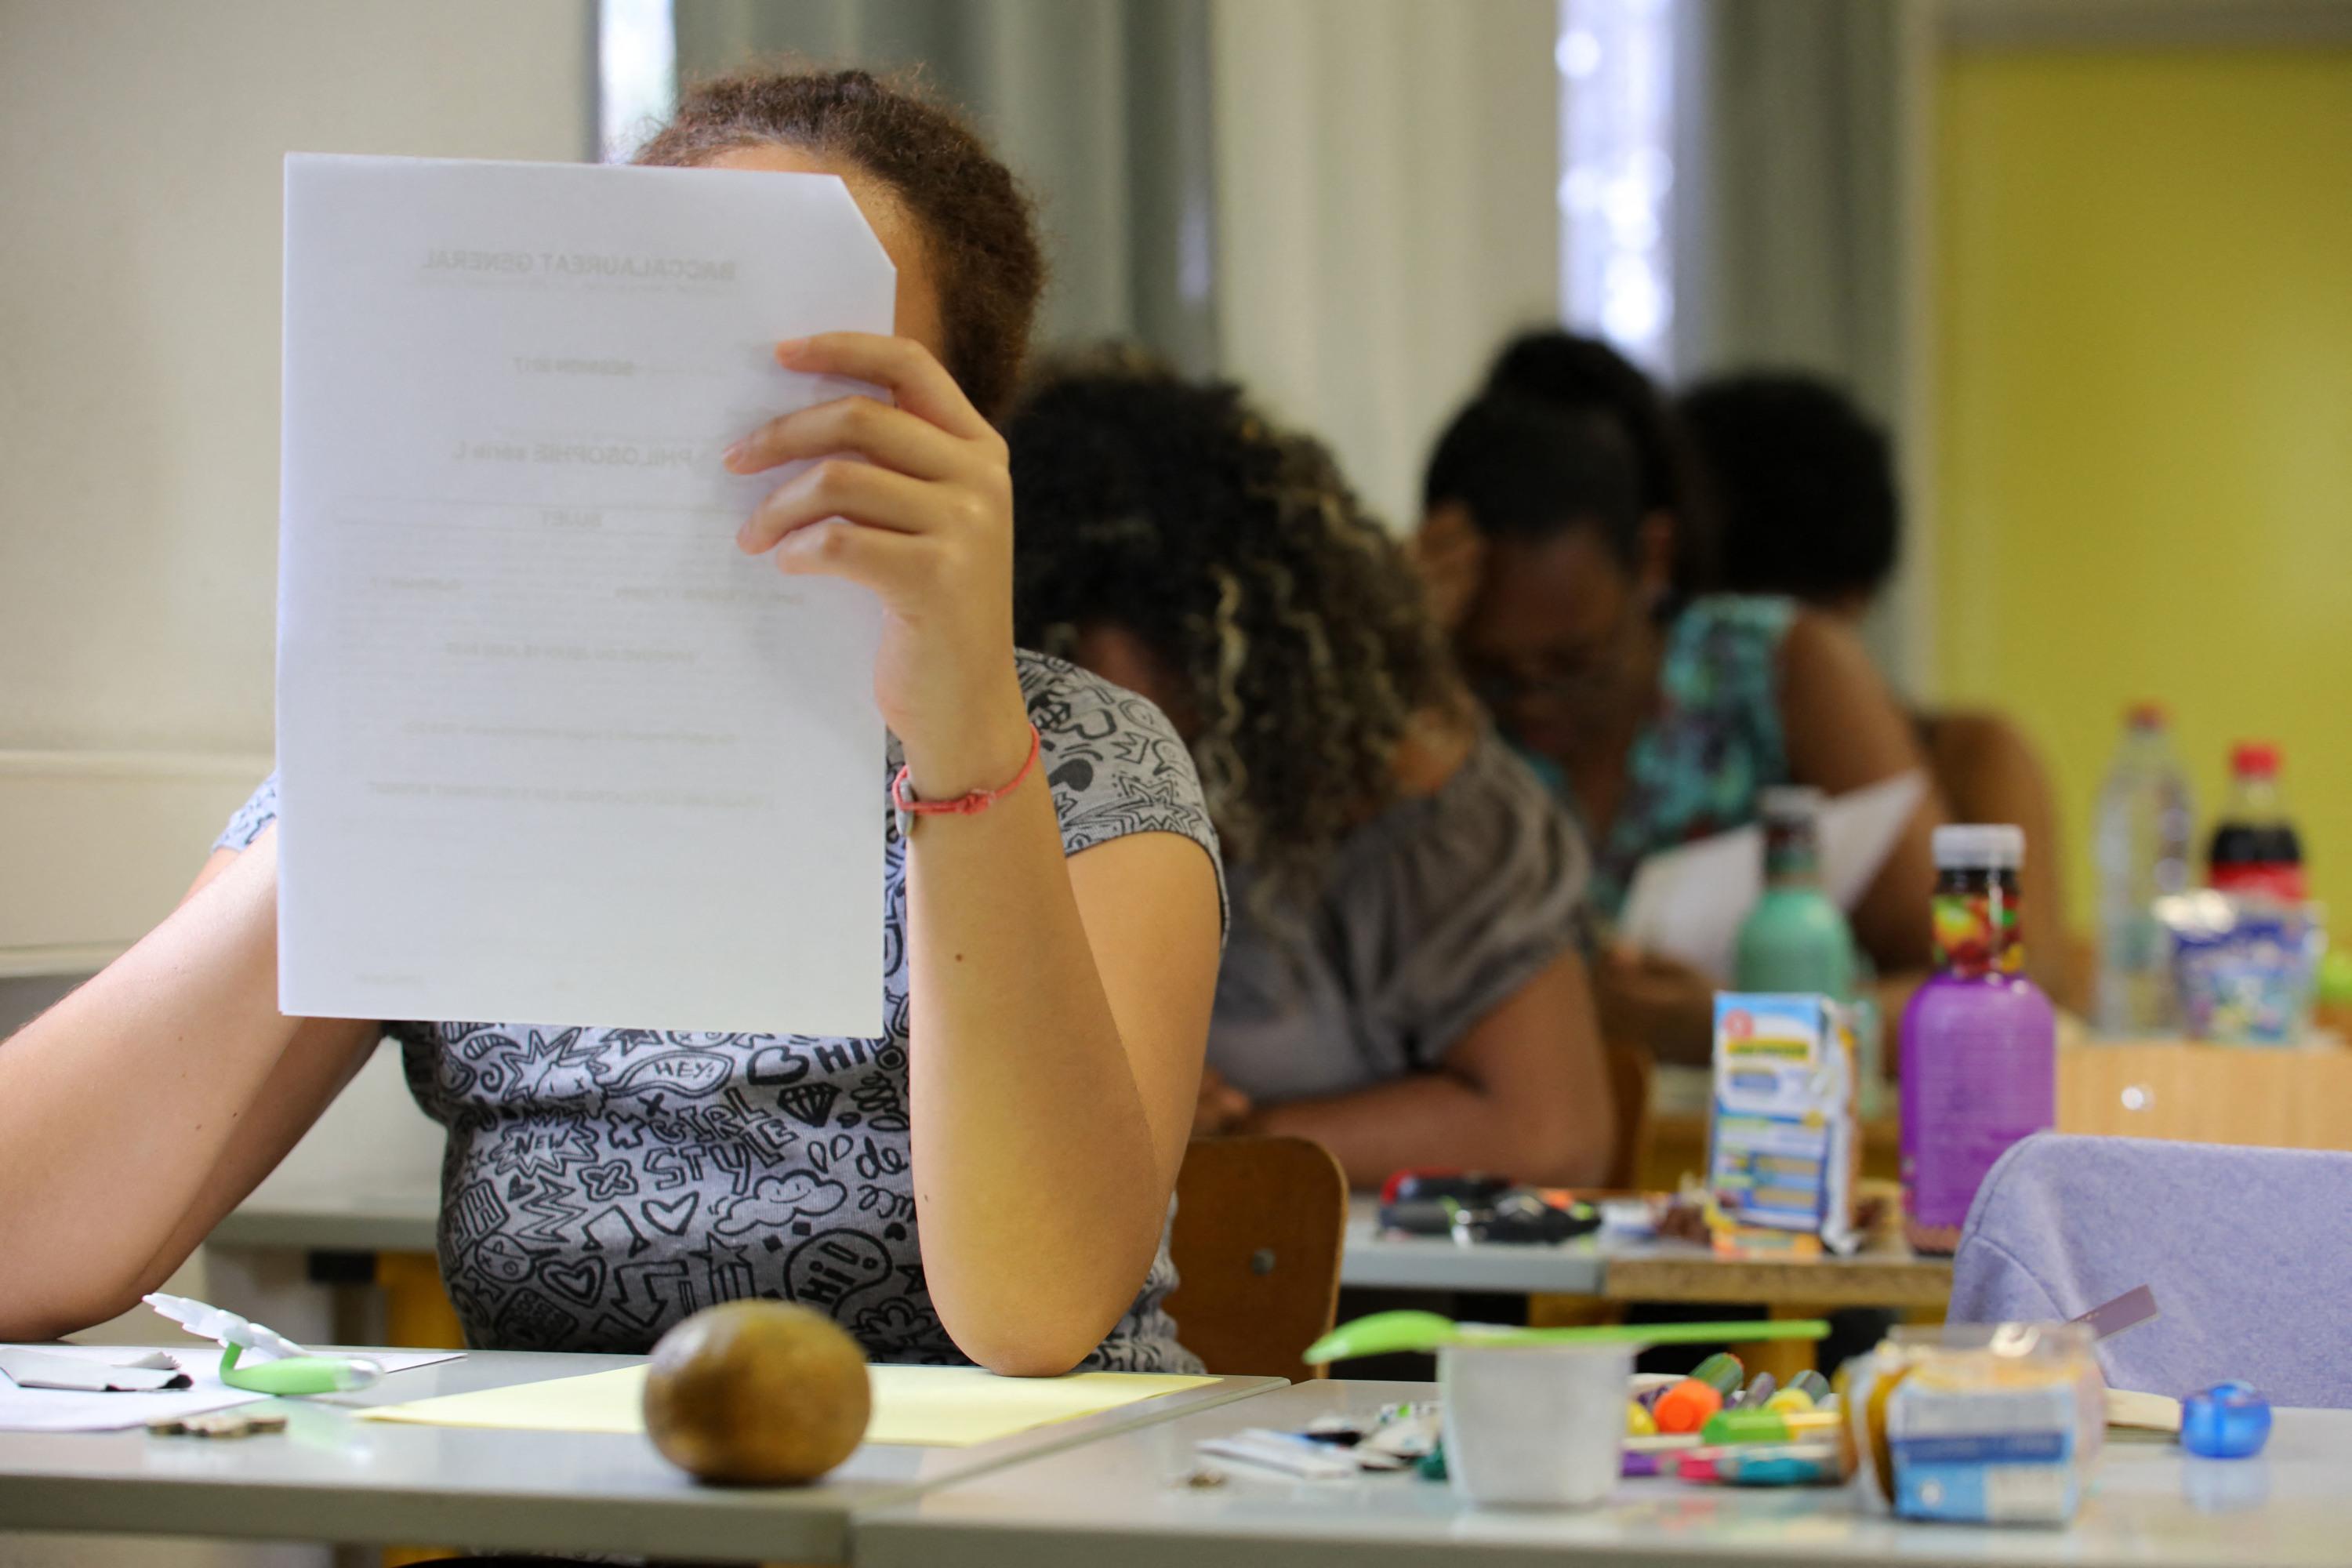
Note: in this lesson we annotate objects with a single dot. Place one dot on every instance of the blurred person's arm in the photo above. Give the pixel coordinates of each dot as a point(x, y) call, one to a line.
point(139, 1111)
point(1525, 1094)
point(1843, 733)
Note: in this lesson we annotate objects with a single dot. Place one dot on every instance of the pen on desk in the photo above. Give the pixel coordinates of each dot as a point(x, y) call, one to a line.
point(1805, 1391)
point(1285, 1451)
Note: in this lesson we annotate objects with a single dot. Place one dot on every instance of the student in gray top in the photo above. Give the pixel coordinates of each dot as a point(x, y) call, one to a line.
point(990, 1179)
point(1403, 982)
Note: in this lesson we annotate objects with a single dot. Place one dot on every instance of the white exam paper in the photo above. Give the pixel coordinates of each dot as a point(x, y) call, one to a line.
point(32, 1368)
point(1688, 902)
point(550, 747)
point(68, 1410)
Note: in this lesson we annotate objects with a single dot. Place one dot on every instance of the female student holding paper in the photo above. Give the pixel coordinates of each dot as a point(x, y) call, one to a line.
point(1559, 530)
point(1403, 982)
point(990, 1180)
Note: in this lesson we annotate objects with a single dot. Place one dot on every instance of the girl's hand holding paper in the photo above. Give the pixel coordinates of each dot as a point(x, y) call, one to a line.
point(925, 521)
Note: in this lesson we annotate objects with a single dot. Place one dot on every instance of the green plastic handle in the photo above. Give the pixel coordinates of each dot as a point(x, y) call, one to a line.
point(298, 1374)
point(1390, 1333)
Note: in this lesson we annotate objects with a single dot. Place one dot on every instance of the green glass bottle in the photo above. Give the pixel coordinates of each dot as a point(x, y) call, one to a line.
point(1796, 938)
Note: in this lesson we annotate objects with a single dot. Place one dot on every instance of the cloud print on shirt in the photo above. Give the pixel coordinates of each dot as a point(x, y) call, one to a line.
point(777, 1201)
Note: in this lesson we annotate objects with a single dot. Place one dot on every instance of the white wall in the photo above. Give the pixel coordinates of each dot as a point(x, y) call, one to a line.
point(139, 308)
point(138, 336)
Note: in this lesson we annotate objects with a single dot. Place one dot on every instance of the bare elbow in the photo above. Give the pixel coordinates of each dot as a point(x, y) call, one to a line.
point(1570, 1149)
point(1031, 1350)
point(1582, 1165)
point(1031, 1361)
point(1032, 1331)
point(1588, 1163)
point(37, 1322)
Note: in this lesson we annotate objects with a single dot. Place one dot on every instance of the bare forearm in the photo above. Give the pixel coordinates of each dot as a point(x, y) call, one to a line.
point(1435, 1120)
point(1038, 1184)
point(117, 1104)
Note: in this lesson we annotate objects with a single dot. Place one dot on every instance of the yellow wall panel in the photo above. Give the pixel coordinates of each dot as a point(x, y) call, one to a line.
point(2145, 413)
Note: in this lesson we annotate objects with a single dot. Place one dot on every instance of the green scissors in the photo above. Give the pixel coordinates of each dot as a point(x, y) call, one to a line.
point(290, 1369)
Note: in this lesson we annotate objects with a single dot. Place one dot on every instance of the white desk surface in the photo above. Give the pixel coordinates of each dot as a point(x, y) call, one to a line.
point(1119, 1502)
point(332, 1477)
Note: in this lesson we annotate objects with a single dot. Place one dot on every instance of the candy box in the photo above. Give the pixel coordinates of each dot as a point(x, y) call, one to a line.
point(1782, 1153)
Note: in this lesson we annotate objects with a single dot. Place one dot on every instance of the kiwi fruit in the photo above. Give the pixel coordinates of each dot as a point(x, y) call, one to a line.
point(757, 1394)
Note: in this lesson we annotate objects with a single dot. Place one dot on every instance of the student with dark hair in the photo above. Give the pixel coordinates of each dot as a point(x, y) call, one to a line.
point(1806, 504)
point(1402, 982)
point(1568, 371)
point(1658, 711)
point(1803, 488)
point(1557, 369)
point(1051, 954)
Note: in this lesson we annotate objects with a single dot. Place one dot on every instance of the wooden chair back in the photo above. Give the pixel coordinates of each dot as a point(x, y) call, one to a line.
point(1632, 1078)
point(1259, 1225)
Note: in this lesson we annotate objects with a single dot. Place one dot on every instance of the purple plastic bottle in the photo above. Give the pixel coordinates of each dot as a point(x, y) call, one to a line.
point(1980, 1039)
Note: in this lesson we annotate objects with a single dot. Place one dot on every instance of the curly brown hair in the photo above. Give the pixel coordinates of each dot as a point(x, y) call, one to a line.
point(978, 225)
point(1238, 554)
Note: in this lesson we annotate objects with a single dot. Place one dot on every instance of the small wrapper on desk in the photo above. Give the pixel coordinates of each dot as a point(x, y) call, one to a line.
point(1783, 1149)
point(1977, 1423)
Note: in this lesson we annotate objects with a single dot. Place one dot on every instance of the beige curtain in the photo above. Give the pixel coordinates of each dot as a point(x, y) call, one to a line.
point(1101, 106)
point(1386, 178)
point(1344, 204)
point(1799, 186)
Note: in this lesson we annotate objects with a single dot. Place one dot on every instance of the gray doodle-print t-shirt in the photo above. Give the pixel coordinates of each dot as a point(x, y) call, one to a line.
point(601, 1184)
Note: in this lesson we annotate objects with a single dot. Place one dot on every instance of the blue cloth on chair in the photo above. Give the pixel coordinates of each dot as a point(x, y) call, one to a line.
point(2249, 1252)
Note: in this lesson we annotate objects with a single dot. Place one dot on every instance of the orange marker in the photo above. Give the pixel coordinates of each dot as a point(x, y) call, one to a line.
point(1688, 1404)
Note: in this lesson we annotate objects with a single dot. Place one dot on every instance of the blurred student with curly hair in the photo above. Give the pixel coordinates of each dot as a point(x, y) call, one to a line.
point(1402, 982)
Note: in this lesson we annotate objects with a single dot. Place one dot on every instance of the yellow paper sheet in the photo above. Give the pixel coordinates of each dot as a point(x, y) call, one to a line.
point(931, 1406)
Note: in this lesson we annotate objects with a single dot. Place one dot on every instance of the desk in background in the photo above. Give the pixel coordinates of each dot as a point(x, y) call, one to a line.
point(1618, 1269)
point(1120, 1500)
point(397, 1228)
point(2158, 1088)
point(1608, 1269)
point(334, 1478)
point(2260, 1097)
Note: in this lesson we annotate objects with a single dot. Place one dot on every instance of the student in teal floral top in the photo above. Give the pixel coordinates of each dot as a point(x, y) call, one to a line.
point(1556, 541)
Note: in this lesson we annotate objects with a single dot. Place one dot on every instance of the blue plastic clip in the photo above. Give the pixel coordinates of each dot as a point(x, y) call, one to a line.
point(2228, 1421)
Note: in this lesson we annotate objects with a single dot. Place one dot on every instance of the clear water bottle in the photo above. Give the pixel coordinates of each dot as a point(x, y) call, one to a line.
point(2146, 820)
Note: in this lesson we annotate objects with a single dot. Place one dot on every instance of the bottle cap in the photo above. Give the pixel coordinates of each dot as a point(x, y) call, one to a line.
point(1782, 802)
point(1980, 847)
point(2145, 716)
point(2254, 760)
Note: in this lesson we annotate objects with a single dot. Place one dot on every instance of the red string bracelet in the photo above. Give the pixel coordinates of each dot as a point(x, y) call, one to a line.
point(970, 805)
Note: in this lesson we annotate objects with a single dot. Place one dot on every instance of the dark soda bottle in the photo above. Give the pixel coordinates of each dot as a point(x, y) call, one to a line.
point(2254, 847)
